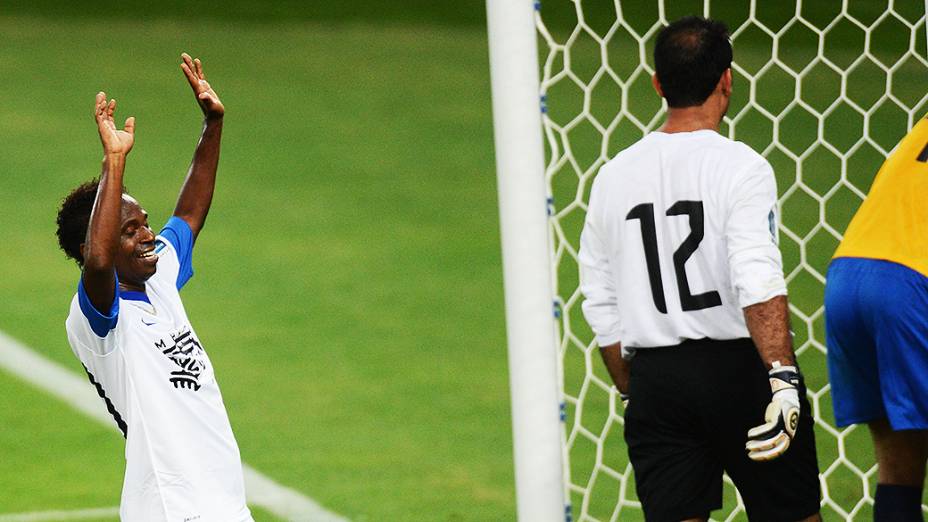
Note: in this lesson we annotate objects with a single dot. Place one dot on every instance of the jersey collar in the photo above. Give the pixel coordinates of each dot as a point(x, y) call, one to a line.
point(134, 295)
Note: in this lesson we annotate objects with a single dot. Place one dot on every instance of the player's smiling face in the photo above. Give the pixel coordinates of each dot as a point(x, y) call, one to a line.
point(136, 259)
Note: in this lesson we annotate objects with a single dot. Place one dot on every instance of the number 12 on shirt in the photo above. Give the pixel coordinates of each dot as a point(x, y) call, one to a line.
point(645, 214)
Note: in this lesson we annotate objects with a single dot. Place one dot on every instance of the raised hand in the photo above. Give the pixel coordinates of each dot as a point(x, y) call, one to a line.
point(114, 141)
point(207, 98)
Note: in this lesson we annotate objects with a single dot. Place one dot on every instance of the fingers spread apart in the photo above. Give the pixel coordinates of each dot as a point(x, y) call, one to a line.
point(193, 69)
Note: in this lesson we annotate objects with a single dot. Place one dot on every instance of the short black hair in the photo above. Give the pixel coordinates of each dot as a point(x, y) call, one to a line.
point(690, 56)
point(74, 218)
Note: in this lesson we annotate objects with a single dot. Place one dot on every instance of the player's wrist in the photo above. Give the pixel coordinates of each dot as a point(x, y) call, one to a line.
point(114, 158)
point(785, 383)
point(784, 377)
point(623, 396)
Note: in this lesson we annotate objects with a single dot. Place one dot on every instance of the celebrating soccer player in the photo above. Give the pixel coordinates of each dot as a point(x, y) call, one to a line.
point(876, 323)
point(128, 327)
point(685, 292)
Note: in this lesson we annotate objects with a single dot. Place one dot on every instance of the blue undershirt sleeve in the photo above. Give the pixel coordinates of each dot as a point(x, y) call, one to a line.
point(178, 233)
point(101, 323)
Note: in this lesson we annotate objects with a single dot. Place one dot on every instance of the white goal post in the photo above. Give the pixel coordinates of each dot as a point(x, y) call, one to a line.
point(530, 324)
point(824, 90)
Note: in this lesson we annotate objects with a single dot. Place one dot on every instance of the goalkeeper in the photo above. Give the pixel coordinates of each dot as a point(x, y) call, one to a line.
point(128, 327)
point(876, 322)
point(685, 292)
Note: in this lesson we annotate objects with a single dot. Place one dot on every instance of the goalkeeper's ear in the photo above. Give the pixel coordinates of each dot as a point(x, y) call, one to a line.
point(725, 83)
point(657, 85)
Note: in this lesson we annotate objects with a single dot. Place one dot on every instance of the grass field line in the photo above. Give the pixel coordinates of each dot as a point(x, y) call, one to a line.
point(47, 516)
point(60, 382)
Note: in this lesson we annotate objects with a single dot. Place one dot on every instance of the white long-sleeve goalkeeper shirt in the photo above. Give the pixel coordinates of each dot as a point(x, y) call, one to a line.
point(680, 235)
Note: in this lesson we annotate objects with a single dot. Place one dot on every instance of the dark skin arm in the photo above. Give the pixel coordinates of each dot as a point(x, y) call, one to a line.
point(100, 246)
point(197, 193)
point(768, 323)
point(618, 367)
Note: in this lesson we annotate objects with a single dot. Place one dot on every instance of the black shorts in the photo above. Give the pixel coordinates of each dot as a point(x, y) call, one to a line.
point(690, 410)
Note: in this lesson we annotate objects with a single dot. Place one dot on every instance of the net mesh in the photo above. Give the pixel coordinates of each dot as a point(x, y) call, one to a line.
point(824, 90)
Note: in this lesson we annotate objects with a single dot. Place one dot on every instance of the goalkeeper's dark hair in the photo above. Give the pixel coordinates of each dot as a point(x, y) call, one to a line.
point(690, 56)
point(74, 218)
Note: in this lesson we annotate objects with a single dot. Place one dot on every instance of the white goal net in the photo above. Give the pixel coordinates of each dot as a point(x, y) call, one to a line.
point(823, 89)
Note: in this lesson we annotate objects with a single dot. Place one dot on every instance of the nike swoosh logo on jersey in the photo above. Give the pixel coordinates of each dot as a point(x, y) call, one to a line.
point(147, 323)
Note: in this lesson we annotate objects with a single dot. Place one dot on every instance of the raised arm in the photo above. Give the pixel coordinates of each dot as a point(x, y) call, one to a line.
point(99, 249)
point(197, 193)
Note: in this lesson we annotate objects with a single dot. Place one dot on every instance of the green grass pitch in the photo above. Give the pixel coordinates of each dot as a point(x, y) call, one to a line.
point(348, 282)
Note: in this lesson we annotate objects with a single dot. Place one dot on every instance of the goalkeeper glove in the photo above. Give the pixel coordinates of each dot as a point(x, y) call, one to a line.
point(771, 439)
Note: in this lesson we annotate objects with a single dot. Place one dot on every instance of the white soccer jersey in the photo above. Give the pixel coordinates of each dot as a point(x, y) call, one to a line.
point(680, 235)
point(147, 363)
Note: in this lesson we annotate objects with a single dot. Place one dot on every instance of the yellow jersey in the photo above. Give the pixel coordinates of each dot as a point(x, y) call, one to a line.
point(892, 223)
